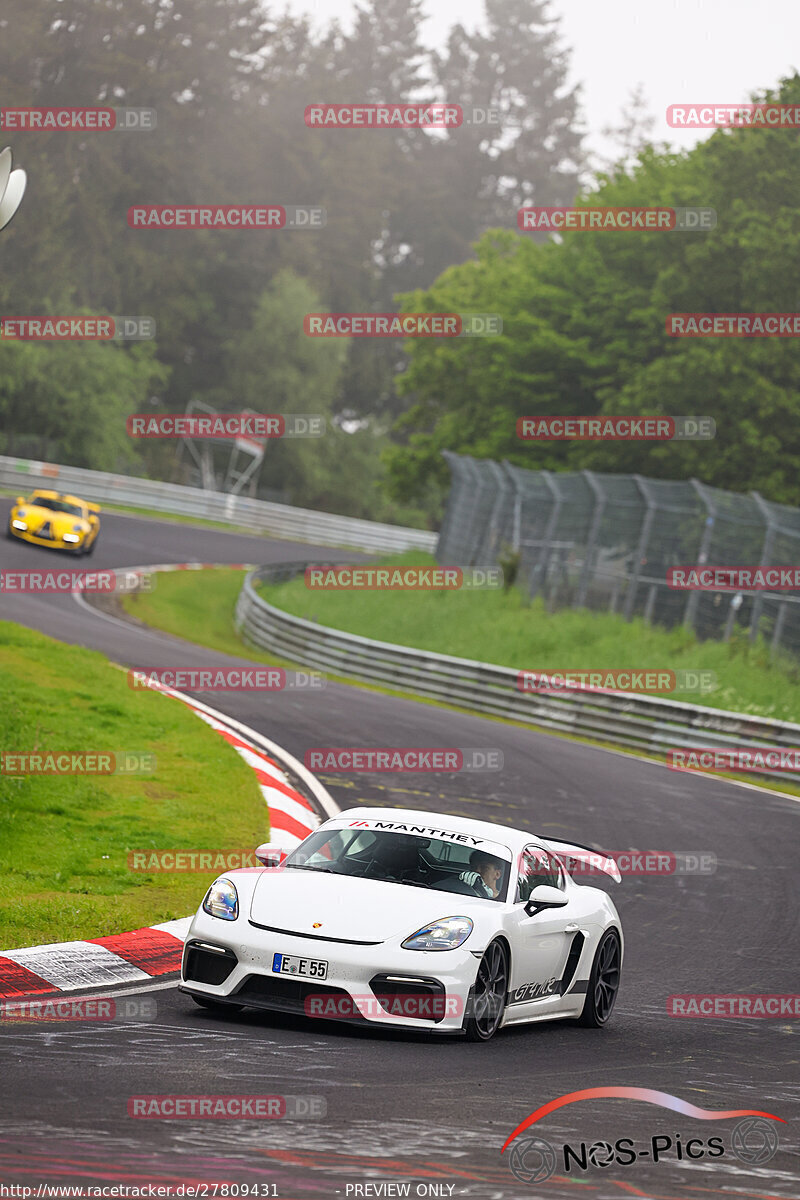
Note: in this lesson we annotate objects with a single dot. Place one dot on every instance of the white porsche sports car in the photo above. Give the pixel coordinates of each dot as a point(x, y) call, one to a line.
point(401, 918)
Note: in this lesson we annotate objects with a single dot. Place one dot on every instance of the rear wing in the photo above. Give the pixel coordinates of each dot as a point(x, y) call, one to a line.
point(594, 858)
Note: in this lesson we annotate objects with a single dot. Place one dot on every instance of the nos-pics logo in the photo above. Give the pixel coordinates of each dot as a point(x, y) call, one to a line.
point(12, 188)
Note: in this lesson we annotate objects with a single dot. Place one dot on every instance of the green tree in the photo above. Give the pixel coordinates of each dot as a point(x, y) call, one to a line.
point(584, 328)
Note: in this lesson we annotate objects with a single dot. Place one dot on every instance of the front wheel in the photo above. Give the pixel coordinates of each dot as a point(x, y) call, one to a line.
point(487, 998)
point(603, 982)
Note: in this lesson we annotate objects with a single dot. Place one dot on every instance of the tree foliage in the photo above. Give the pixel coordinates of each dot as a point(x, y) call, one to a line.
point(584, 328)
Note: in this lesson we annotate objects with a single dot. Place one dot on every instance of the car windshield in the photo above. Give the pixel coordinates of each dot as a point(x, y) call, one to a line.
point(428, 862)
point(62, 506)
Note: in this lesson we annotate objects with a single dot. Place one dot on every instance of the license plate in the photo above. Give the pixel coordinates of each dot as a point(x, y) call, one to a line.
point(290, 964)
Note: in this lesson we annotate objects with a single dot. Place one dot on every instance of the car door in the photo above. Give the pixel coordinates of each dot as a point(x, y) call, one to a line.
point(541, 942)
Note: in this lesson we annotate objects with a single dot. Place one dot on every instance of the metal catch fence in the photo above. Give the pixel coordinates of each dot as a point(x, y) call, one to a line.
point(583, 539)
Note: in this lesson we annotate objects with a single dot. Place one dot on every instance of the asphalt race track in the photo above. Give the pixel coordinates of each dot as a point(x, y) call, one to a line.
point(406, 1106)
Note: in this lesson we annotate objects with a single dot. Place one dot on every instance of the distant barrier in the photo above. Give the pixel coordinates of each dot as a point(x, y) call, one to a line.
point(644, 723)
point(259, 516)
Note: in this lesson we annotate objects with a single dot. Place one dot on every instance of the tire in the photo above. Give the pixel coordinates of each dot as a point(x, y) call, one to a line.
point(486, 1003)
point(604, 980)
point(217, 1005)
point(91, 548)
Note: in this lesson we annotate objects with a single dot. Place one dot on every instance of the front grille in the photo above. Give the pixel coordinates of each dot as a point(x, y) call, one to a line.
point(419, 997)
point(293, 996)
point(207, 965)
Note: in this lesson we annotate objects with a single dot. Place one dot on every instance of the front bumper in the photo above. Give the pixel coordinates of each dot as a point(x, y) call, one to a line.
point(23, 535)
point(232, 961)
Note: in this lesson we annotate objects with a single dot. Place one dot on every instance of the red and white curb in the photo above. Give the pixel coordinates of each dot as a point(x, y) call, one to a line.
point(144, 954)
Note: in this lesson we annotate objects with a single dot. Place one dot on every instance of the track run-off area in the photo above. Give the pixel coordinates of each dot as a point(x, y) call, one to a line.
point(408, 1107)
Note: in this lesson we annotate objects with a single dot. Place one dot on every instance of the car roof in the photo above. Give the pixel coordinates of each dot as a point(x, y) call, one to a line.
point(49, 495)
point(504, 834)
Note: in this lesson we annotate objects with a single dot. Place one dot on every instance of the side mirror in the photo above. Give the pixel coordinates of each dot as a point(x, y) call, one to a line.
point(270, 855)
point(19, 500)
point(545, 896)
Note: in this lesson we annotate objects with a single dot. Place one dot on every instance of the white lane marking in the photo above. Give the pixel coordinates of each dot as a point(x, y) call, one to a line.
point(72, 965)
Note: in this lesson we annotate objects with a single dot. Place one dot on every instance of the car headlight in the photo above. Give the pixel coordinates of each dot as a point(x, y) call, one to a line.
point(221, 900)
point(16, 524)
point(71, 537)
point(447, 934)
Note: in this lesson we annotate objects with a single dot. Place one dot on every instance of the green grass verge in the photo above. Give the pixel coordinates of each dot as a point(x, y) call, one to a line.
point(65, 840)
point(491, 626)
point(200, 606)
point(500, 627)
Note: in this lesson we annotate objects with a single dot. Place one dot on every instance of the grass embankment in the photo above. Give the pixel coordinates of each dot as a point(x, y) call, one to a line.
point(198, 606)
point(65, 840)
point(500, 627)
point(490, 626)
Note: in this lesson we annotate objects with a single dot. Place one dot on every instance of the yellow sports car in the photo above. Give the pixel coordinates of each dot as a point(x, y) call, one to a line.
point(59, 522)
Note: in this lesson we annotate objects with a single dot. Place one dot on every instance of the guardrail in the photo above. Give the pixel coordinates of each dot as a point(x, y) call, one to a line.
point(260, 516)
point(639, 722)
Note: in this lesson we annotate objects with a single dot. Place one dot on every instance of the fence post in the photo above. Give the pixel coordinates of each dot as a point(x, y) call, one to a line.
point(693, 602)
point(650, 605)
point(730, 620)
point(539, 569)
point(777, 633)
point(516, 528)
point(591, 541)
point(490, 546)
point(644, 537)
point(766, 555)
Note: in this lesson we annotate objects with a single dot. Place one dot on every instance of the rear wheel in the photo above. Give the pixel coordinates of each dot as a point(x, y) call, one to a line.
point(487, 998)
point(603, 982)
point(216, 1005)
